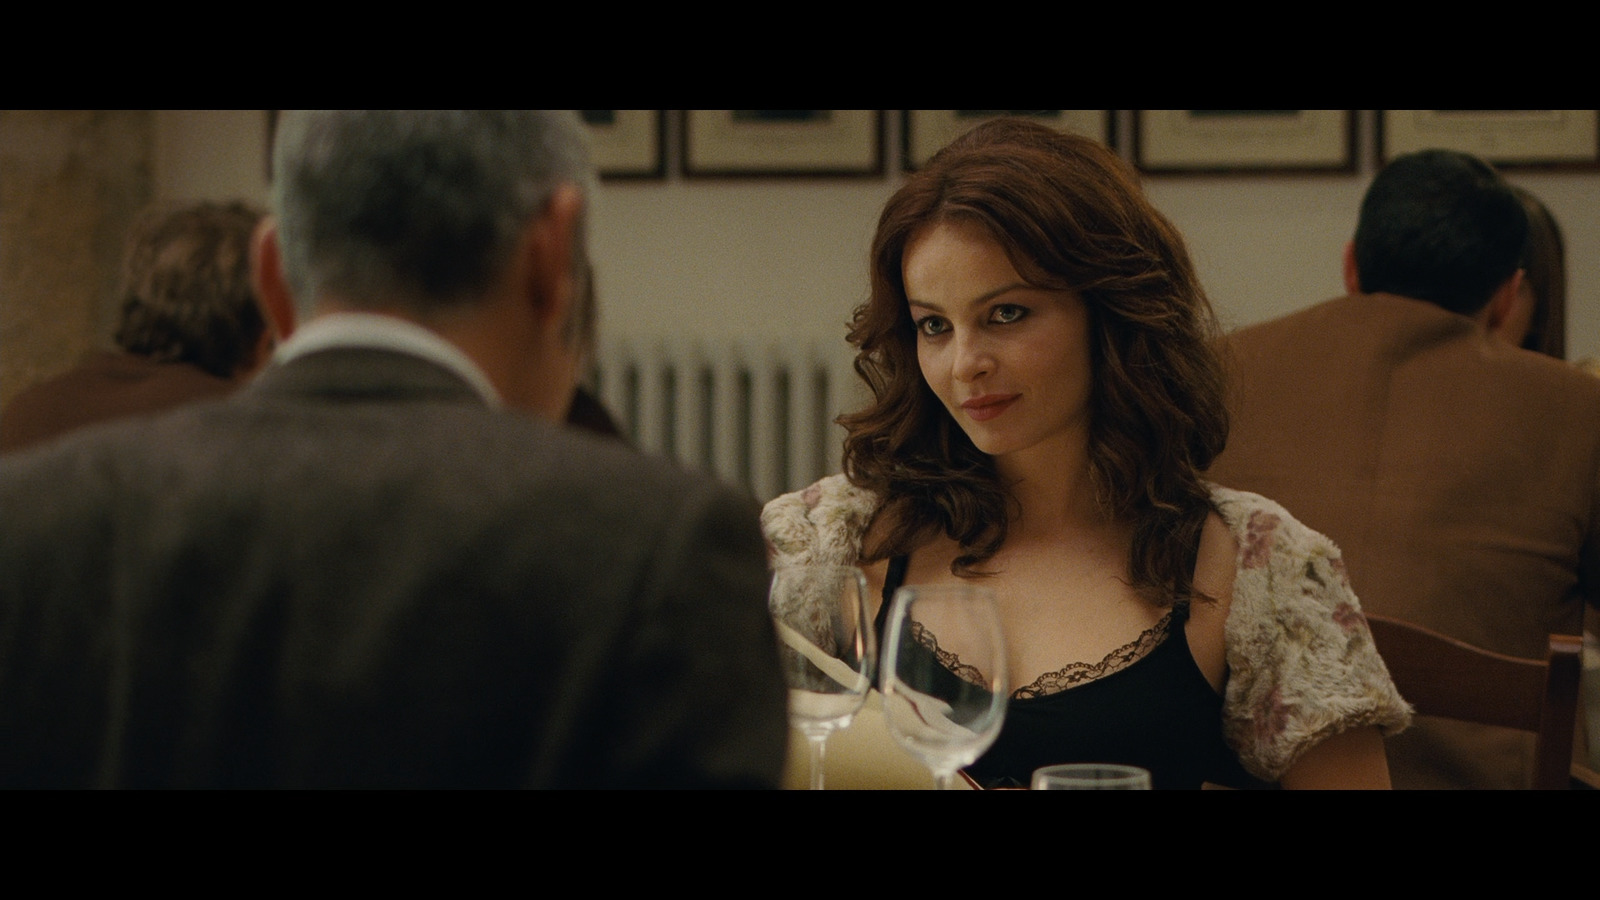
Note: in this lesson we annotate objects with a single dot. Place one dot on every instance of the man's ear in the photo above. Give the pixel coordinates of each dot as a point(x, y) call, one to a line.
point(272, 290)
point(1509, 312)
point(1352, 275)
point(551, 282)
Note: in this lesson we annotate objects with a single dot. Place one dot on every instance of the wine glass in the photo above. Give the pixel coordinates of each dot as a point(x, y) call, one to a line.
point(944, 675)
point(827, 648)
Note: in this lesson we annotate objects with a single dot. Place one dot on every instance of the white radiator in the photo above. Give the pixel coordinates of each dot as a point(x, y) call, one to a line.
point(757, 415)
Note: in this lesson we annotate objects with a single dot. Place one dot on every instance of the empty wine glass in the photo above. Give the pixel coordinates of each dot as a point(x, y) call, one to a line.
point(944, 675)
point(827, 647)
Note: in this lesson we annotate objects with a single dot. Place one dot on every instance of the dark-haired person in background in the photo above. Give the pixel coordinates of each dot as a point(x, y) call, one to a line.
point(189, 328)
point(1459, 473)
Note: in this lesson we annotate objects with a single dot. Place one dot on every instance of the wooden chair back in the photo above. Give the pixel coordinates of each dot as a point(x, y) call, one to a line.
point(1441, 676)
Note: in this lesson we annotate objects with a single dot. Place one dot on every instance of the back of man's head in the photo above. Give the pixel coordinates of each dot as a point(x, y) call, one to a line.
point(416, 209)
point(1440, 226)
point(186, 291)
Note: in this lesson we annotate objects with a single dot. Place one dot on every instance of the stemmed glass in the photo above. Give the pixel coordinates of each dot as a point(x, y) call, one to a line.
point(944, 675)
point(827, 647)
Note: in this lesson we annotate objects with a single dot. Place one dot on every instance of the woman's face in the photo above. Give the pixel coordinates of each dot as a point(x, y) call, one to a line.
point(1008, 360)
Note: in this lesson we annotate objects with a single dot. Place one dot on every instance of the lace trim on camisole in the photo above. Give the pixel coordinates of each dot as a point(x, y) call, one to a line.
point(1115, 661)
point(1063, 678)
point(969, 674)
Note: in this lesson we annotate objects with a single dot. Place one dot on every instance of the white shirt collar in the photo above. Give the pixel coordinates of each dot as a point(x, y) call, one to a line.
point(381, 332)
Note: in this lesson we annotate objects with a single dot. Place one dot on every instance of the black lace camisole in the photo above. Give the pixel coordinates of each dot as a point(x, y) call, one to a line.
point(1158, 712)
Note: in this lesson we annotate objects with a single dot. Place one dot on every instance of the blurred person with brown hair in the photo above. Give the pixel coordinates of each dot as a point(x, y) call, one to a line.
point(190, 327)
point(1540, 324)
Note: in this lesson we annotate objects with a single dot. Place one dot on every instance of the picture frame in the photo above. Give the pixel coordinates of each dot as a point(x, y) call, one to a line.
point(925, 131)
point(783, 142)
point(628, 143)
point(1509, 138)
point(1253, 141)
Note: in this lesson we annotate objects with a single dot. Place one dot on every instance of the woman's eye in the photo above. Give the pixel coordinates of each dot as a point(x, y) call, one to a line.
point(932, 325)
point(1007, 313)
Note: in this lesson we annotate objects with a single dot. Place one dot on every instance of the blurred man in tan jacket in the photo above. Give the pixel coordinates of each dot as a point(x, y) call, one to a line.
point(1459, 474)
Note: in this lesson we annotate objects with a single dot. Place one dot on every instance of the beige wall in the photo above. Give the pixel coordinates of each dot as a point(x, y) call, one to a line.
point(211, 154)
point(780, 259)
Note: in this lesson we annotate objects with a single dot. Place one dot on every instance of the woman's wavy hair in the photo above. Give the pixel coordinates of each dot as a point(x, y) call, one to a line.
point(1071, 216)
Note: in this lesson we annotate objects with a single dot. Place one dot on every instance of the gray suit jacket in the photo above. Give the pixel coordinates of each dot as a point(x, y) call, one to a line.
point(355, 573)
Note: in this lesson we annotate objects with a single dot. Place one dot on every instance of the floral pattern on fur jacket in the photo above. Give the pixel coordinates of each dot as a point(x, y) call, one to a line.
point(1301, 662)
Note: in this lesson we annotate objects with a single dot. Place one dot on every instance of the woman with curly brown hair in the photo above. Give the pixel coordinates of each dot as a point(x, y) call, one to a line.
point(1046, 400)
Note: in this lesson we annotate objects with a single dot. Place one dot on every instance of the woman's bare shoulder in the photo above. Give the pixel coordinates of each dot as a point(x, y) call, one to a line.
point(1214, 571)
point(1217, 562)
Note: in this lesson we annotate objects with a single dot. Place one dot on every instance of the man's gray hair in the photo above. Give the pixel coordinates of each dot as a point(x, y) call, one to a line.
point(419, 209)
